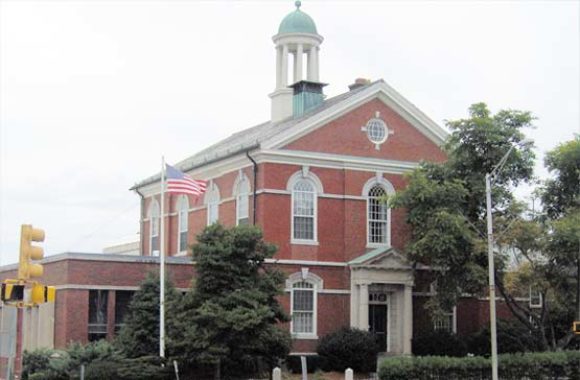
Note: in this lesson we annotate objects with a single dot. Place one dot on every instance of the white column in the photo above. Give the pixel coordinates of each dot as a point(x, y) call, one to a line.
point(408, 319)
point(354, 305)
point(298, 56)
point(363, 314)
point(278, 67)
point(314, 54)
point(284, 67)
point(309, 67)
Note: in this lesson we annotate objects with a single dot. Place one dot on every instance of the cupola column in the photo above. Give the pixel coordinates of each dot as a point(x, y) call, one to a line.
point(312, 74)
point(278, 67)
point(284, 67)
point(298, 58)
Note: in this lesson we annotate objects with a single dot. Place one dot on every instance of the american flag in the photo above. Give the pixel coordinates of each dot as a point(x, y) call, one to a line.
point(178, 182)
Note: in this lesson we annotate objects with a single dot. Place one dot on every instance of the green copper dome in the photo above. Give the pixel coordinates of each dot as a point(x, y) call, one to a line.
point(297, 22)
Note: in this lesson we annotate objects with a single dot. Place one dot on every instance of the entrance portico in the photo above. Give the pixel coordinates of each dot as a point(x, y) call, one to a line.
point(382, 298)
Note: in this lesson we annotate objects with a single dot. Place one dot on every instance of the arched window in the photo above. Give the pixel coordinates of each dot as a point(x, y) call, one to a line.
point(242, 192)
point(213, 203)
point(303, 287)
point(154, 228)
point(304, 211)
point(378, 213)
point(182, 223)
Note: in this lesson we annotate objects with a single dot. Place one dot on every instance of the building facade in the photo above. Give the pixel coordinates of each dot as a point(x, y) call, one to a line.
point(315, 178)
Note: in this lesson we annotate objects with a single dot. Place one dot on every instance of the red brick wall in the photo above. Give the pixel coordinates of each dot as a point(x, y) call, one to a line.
point(344, 136)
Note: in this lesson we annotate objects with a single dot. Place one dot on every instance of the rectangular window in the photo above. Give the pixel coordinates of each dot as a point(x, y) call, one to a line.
point(303, 215)
point(242, 204)
point(303, 308)
point(98, 301)
point(122, 301)
point(445, 322)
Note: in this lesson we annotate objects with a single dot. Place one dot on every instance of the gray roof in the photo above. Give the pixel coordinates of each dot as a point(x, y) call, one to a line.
point(250, 138)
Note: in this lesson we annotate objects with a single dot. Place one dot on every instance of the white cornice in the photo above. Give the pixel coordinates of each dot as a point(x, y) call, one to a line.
point(333, 161)
point(379, 90)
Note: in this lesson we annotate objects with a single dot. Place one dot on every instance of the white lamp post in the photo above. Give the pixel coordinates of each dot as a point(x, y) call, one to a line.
point(491, 267)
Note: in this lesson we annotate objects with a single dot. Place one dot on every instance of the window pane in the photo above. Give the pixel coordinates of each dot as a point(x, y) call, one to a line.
point(304, 228)
point(378, 216)
point(122, 301)
point(97, 327)
point(303, 300)
point(183, 241)
point(302, 322)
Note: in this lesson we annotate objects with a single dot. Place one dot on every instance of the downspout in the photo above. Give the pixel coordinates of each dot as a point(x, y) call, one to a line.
point(255, 184)
point(141, 235)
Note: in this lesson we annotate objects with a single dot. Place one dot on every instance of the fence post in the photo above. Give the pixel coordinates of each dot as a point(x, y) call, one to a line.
point(348, 374)
point(82, 372)
point(276, 374)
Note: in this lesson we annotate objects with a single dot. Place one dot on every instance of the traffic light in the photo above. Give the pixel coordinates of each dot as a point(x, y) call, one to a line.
point(576, 327)
point(29, 253)
point(41, 294)
point(12, 292)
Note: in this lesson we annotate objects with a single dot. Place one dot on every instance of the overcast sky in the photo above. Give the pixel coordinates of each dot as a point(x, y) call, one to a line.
point(93, 93)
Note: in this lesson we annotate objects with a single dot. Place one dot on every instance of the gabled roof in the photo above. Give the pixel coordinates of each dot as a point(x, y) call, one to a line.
point(272, 135)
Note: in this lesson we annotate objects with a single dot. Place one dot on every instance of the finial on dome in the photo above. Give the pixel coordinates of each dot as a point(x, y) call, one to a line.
point(298, 3)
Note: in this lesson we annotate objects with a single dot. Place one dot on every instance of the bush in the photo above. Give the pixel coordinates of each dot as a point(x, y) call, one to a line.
point(528, 366)
point(101, 361)
point(348, 348)
point(512, 337)
point(440, 343)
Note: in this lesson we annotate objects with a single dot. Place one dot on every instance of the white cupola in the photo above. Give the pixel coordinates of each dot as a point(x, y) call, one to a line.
point(297, 36)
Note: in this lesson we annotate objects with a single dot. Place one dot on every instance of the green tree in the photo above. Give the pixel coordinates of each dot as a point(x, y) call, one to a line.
point(139, 335)
point(230, 317)
point(446, 202)
point(562, 192)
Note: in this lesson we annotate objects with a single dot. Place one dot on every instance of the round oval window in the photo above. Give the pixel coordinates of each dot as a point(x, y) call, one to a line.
point(377, 130)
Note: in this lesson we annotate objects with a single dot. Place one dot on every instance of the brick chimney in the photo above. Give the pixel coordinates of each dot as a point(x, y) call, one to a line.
point(358, 83)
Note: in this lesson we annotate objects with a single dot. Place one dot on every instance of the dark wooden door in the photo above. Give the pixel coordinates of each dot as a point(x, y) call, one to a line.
point(378, 325)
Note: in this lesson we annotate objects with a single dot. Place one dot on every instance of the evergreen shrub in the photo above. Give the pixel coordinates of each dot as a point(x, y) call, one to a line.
point(527, 366)
point(348, 348)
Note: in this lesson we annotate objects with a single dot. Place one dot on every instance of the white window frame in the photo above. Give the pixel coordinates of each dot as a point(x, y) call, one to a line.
point(154, 219)
point(212, 200)
point(390, 191)
point(317, 285)
point(182, 205)
point(453, 315)
point(531, 303)
point(242, 193)
point(305, 175)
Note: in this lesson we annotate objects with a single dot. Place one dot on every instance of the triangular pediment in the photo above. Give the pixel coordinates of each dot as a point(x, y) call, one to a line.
point(378, 90)
point(384, 257)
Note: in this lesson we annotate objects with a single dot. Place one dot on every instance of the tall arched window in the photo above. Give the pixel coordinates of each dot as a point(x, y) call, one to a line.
point(154, 228)
point(182, 223)
point(378, 216)
point(213, 203)
point(377, 191)
point(242, 192)
point(304, 210)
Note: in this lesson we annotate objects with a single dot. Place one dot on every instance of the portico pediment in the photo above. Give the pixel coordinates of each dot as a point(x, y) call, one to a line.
point(382, 258)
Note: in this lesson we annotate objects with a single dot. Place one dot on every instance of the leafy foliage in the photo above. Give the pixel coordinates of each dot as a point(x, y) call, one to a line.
point(101, 360)
point(446, 202)
point(230, 317)
point(348, 348)
point(562, 192)
point(439, 343)
point(530, 366)
point(139, 335)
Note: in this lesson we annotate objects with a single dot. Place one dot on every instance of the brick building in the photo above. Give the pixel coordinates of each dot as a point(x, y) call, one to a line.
point(313, 178)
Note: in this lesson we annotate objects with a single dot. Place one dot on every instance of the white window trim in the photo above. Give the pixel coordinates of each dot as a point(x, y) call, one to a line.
point(317, 285)
point(154, 207)
point(390, 190)
point(535, 305)
point(212, 198)
point(453, 320)
point(182, 198)
point(304, 174)
point(242, 195)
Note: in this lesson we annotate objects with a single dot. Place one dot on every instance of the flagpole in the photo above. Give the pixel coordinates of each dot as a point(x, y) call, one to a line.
point(162, 265)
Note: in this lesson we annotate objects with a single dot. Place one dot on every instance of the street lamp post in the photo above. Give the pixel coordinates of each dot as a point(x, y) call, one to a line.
point(490, 259)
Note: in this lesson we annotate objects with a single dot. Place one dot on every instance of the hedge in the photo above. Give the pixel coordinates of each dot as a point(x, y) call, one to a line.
point(528, 366)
